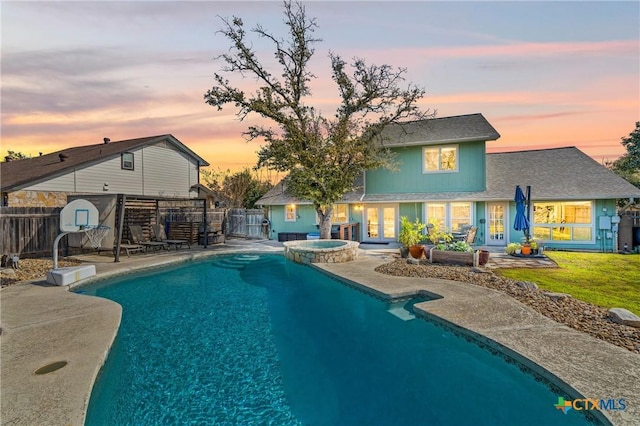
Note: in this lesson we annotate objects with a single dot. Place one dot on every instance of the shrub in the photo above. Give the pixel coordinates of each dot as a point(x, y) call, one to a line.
point(410, 232)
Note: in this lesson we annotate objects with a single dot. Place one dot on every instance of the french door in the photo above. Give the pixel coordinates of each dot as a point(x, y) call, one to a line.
point(380, 223)
point(497, 224)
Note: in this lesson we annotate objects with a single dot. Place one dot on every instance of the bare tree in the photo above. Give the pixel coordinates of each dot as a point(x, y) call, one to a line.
point(323, 155)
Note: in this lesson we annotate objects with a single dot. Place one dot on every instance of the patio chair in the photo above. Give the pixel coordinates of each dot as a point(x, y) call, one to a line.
point(160, 235)
point(462, 234)
point(137, 236)
point(470, 238)
point(467, 234)
point(128, 248)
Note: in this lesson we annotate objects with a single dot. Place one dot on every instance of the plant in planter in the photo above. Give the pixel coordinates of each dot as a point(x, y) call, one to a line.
point(459, 246)
point(513, 248)
point(529, 245)
point(411, 235)
point(437, 235)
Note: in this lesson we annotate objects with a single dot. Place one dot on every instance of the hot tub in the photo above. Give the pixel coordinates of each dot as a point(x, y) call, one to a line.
point(321, 251)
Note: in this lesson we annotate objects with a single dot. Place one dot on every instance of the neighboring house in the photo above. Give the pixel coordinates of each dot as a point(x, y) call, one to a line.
point(155, 166)
point(446, 176)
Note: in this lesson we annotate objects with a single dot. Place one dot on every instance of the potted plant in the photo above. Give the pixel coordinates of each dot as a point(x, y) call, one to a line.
point(513, 248)
point(410, 236)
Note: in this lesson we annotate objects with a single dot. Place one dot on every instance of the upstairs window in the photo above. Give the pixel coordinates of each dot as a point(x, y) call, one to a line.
point(440, 159)
point(127, 160)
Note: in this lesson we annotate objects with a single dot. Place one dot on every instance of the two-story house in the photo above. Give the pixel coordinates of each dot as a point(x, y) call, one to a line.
point(445, 175)
point(154, 166)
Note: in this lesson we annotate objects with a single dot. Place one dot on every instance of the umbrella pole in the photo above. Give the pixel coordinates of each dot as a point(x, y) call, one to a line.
point(528, 233)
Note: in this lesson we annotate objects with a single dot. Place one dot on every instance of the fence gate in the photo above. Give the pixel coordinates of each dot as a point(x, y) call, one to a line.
point(246, 223)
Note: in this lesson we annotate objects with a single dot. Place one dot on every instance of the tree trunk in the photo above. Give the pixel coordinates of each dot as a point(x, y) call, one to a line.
point(325, 222)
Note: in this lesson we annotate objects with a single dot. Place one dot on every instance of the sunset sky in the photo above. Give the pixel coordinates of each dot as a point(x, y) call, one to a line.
point(545, 74)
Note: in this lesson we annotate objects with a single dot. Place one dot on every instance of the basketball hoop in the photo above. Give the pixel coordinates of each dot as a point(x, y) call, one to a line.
point(96, 234)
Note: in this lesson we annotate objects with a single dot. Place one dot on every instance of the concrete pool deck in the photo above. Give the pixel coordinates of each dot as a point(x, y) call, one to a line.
point(42, 324)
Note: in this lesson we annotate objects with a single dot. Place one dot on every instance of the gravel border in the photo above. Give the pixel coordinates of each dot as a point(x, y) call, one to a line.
point(579, 315)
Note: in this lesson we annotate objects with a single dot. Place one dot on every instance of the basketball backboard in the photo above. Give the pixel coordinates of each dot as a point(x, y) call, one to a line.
point(78, 214)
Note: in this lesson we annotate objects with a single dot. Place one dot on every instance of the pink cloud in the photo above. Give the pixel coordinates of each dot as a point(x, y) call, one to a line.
point(614, 47)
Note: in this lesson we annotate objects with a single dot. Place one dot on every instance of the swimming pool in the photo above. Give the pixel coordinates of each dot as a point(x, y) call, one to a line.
point(257, 339)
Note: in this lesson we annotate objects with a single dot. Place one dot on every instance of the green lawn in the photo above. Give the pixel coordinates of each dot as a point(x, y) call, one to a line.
point(604, 279)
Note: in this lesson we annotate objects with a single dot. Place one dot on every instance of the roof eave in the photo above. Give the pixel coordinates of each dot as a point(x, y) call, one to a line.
point(443, 141)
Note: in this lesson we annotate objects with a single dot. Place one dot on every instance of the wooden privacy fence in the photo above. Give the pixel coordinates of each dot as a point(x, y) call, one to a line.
point(246, 223)
point(29, 230)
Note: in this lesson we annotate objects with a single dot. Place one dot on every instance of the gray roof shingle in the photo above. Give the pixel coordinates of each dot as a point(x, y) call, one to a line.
point(17, 173)
point(456, 129)
point(554, 174)
point(278, 194)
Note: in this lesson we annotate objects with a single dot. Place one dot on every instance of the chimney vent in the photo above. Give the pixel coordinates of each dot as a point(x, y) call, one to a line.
point(106, 140)
point(63, 157)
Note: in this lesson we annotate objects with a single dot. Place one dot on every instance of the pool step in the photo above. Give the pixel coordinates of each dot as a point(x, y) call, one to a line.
point(237, 262)
point(397, 309)
point(403, 309)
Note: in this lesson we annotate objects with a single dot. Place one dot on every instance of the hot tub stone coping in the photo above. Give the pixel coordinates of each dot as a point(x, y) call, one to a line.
point(302, 251)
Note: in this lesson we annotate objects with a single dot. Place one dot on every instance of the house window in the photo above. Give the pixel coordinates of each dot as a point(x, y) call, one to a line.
point(436, 214)
point(451, 217)
point(290, 213)
point(340, 214)
point(460, 216)
point(440, 159)
point(127, 160)
point(570, 221)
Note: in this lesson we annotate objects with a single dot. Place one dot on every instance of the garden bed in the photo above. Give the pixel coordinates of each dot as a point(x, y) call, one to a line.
point(462, 258)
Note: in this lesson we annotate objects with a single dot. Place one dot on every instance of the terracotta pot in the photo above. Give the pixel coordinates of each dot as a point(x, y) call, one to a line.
point(483, 257)
point(416, 251)
point(526, 250)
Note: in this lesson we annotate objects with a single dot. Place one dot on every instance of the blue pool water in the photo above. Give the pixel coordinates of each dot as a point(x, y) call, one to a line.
point(257, 339)
point(322, 244)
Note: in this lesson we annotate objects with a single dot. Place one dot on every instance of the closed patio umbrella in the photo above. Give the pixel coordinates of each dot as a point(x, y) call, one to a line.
point(521, 222)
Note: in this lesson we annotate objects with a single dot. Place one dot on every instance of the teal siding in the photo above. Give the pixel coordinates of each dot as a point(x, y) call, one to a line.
point(305, 223)
point(409, 178)
point(479, 217)
point(412, 211)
